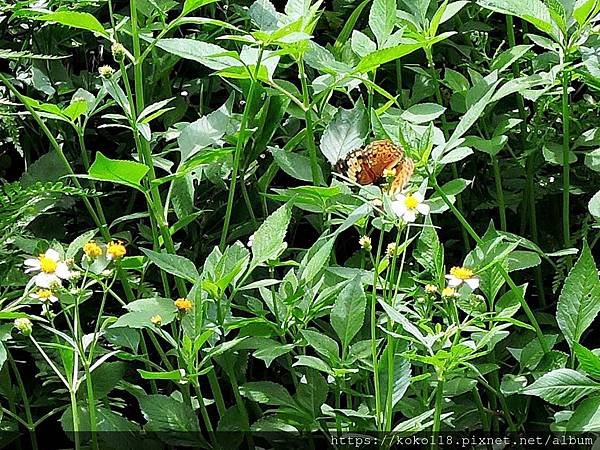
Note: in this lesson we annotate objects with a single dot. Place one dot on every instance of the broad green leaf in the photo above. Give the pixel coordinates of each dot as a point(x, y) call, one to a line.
point(579, 300)
point(174, 421)
point(129, 173)
point(267, 392)
point(78, 243)
point(562, 387)
point(316, 258)
point(506, 58)
point(423, 113)
point(174, 264)
point(523, 259)
point(322, 344)
point(346, 132)
point(264, 15)
point(586, 417)
point(382, 56)
point(583, 9)
point(3, 355)
point(348, 311)
point(173, 375)
point(362, 44)
point(400, 372)
point(141, 311)
point(191, 5)
point(382, 19)
point(312, 393)
point(76, 19)
point(209, 55)
point(588, 360)
point(268, 240)
point(532, 11)
point(294, 164)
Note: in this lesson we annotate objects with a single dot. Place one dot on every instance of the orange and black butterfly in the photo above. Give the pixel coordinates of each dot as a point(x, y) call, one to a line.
point(370, 164)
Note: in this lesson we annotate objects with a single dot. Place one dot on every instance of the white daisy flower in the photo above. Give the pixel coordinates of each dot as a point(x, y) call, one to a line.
point(408, 206)
point(44, 295)
point(51, 270)
point(460, 275)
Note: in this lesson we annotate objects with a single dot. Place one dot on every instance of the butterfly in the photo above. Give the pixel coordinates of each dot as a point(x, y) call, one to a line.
point(369, 164)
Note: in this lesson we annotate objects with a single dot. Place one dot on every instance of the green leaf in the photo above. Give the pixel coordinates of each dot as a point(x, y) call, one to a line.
point(579, 300)
point(78, 243)
point(588, 360)
point(400, 372)
point(346, 132)
point(562, 387)
point(423, 113)
point(533, 11)
point(191, 5)
point(3, 355)
point(382, 19)
point(348, 311)
point(173, 375)
point(264, 15)
point(379, 57)
point(294, 164)
point(323, 345)
point(523, 259)
point(172, 420)
point(267, 392)
point(315, 259)
point(209, 55)
point(141, 311)
point(76, 19)
point(174, 264)
point(586, 417)
point(312, 393)
point(268, 241)
point(128, 173)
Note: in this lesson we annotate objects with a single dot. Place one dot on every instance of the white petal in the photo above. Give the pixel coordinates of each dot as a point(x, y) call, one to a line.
point(453, 281)
point(423, 208)
point(44, 280)
point(33, 262)
point(401, 198)
point(473, 283)
point(410, 216)
point(52, 299)
point(399, 208)
point(62, 271)
point(52, 254)
point(418, 196)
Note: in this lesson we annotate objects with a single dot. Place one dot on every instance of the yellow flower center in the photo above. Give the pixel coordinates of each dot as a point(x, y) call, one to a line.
point(462, 273)
point(44, 294)
point(116, 249)
point(183, 304)
point(156, 320)
point(92, 250)
point(411, 202)
point(448, 292)
point(47, 265)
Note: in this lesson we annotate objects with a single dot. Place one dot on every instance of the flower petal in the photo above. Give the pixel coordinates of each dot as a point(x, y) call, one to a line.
point(423, 208)
point(473, 283)
point(62, 271)
point(410, 216)
point(33, 263)
point(399, 208)
point(453, 281)
point(52, 254)
point(418, 196)
point(44, 280)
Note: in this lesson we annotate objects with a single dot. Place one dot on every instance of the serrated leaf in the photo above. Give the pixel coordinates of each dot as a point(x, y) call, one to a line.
point(269, 238)
point(174, 264)
point(348, 311)
point(579, 300)
point(562, 387)
point(128, 173)
point(346, 132)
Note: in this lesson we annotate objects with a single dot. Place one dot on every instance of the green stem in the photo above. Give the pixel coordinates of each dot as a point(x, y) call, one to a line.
point(91, 405)
point(239, 147)
point(437, 415)
point(75, 414)
point(566, 119)
point(499, 193)
point(374, 333)
point(310, 133)
point(216, 389)
point(25, 399)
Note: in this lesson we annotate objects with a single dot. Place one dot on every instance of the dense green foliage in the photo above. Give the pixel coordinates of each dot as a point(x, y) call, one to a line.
point(179, 255)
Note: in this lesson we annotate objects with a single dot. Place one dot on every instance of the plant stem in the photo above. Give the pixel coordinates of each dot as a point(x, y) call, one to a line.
point(566, 119)
point(91, 404)
point(310, 133)
point(437, 415)
point(239, 147)
point(374, 333)
point(25, 399)
point(499, 193)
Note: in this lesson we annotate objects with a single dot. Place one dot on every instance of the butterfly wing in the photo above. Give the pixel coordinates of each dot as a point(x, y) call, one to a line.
point(404, 171)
